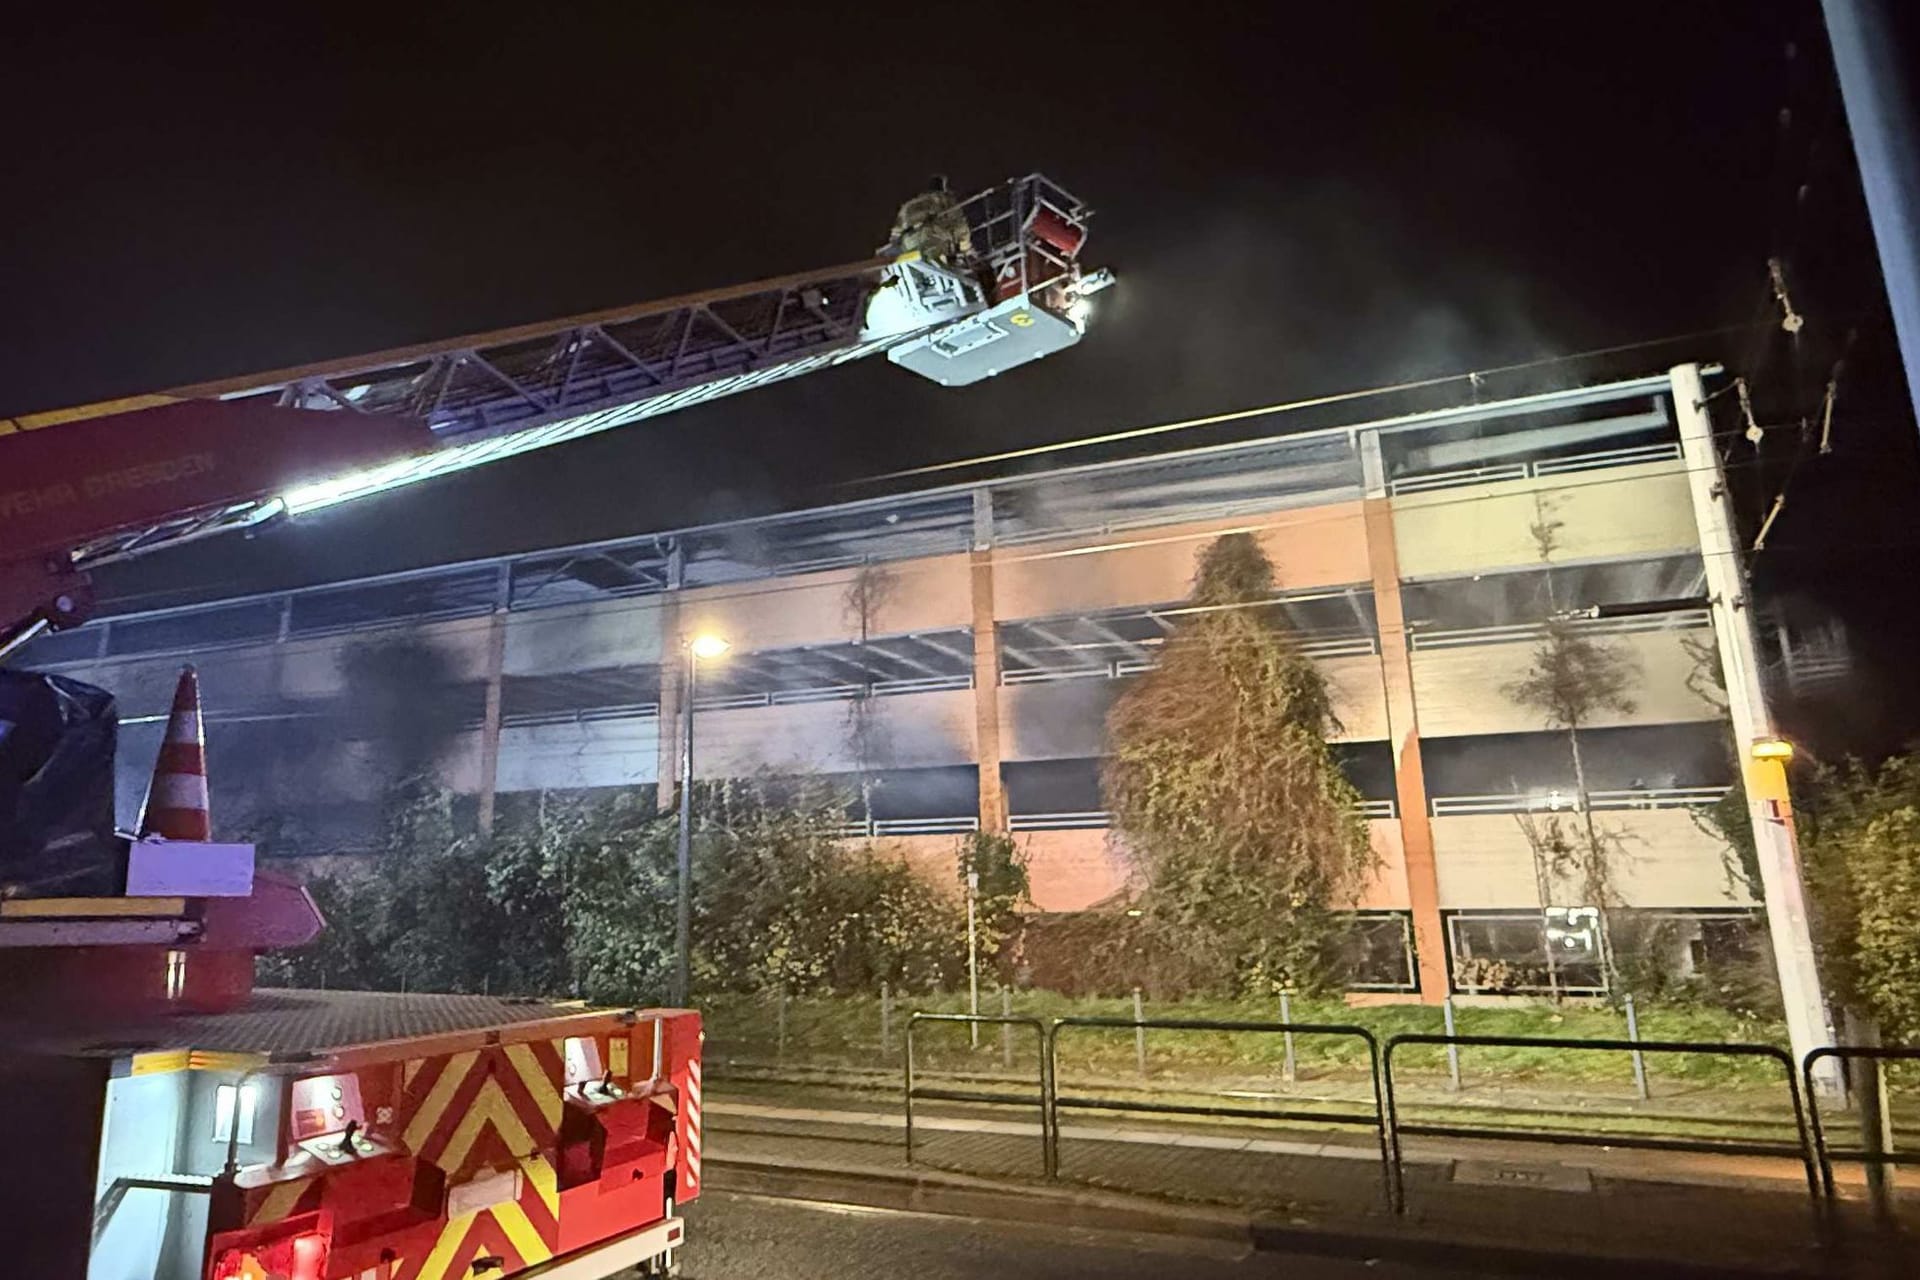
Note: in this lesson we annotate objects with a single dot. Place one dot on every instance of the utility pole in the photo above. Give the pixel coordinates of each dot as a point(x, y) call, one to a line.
point(1762, 770)
point(1880, 116)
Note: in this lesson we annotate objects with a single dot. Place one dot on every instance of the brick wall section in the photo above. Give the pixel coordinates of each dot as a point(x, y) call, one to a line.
point(1416, 829)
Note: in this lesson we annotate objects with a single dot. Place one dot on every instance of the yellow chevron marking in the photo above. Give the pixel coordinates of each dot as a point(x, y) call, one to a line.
point(427, 1118)
point(412, 1069)
point(279, 1202)
point(534, 1076)
point(539, 1175)
point(490, 1106)
point(204, 1060)
point(57, 908)
point(525, 1240)
point(451, 1237)
point(149, 1064)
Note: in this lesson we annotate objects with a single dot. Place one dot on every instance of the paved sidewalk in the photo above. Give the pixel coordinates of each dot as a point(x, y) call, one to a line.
point(1499, 1197)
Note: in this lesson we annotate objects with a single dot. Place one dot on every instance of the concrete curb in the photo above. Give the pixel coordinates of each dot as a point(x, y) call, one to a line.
point(962, 1195)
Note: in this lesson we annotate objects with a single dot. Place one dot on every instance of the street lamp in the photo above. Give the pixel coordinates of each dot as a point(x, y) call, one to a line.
point(973, 948)
point(710, 647)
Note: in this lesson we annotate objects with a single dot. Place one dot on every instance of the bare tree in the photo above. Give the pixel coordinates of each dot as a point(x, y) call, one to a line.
point(1572, 679)
point(869, 593)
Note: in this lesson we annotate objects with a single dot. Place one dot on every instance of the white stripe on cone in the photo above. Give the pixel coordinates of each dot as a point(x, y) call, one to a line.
point(178, 791)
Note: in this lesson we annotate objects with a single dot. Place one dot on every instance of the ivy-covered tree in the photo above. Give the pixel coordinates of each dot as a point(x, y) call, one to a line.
point(999, 899)
point(1221, 781)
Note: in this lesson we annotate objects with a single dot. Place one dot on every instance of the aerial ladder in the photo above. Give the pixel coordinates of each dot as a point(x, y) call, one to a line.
point(88, 486)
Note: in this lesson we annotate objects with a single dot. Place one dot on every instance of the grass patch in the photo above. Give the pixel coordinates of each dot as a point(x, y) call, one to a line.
point(845, 1031)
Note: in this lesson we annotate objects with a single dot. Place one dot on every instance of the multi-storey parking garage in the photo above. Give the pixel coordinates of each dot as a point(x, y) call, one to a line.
point(956, 649)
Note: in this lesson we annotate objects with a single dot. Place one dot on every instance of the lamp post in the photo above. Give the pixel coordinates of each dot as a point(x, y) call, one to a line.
point(701, 646)
point(973, 952)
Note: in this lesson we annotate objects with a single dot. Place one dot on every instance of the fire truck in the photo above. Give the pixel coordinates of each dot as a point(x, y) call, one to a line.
point(171, 1122)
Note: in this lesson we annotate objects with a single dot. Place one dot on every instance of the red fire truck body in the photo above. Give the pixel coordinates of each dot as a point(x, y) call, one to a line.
point(493, 1150)
point(311, 1135)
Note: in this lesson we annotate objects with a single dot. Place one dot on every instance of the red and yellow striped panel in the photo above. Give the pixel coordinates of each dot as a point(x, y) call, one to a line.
point(692, 1125)
point(483, 1108)
point(478, 1112)
point(518, 1233)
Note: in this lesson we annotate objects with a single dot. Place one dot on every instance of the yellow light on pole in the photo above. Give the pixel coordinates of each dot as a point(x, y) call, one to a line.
point(1772, 749)
point(708, 646)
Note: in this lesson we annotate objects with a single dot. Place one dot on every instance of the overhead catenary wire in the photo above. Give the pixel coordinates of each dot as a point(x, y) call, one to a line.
point(1471, 378)
point(1797, 146)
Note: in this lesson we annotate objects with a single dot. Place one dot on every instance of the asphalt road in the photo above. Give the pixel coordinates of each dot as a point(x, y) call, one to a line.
point(737, 1237)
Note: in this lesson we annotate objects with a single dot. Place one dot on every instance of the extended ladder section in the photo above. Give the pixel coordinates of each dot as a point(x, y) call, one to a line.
point(1017, 294)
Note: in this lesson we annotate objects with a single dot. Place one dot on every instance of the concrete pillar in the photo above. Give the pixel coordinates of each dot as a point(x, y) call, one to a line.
point(490, 721)
point(1731, 604)
point(1403, 731)
point(986, 669)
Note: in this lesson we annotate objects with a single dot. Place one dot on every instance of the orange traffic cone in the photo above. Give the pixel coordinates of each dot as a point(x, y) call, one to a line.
point(176, 805)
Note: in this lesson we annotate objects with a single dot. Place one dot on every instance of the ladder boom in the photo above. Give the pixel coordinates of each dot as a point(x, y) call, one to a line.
point(1017, 296)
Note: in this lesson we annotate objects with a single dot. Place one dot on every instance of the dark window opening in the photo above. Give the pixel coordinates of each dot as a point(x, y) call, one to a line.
point(1376, 954)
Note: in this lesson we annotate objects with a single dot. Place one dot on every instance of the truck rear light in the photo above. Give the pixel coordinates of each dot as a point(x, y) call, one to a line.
point(483, 1192)
point(309, 1257)
point(297, 1257)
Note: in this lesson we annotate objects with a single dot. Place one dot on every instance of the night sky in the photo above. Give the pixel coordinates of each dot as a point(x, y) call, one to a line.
point(1297, 199)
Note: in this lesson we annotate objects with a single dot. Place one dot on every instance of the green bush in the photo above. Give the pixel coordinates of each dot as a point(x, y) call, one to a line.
point(577, 898)
point(1863, 867)
point(782, 904)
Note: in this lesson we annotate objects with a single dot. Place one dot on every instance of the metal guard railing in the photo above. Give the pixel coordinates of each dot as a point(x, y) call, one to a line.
point(1809, 1146)
point(1802, 1149)
point(1040, 1101)
point(1568, 800)
point(1824, 1153)
point(1390, 1182)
